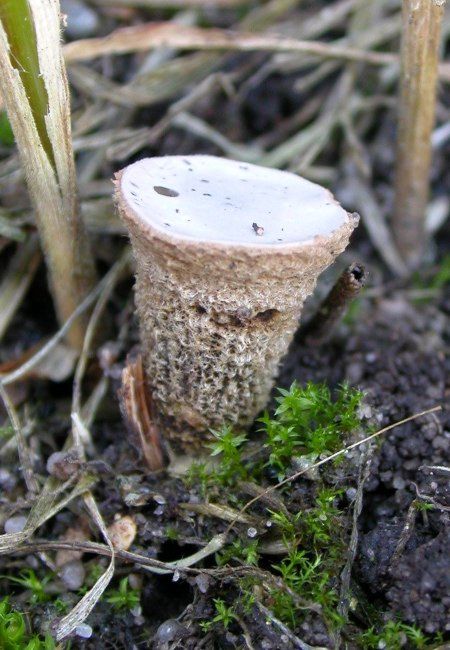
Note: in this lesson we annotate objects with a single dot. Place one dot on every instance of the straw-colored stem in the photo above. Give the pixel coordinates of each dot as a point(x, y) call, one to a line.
point(419, 67)
point(36, 96)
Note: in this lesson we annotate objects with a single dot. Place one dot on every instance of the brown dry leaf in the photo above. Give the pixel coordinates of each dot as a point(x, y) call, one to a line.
point(122, 532)
point(135, 405)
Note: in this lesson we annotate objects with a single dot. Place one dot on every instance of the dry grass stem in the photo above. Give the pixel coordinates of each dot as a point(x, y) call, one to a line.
point(48, 162)
point(17, 279)
point(167, 34)
point(417, 108)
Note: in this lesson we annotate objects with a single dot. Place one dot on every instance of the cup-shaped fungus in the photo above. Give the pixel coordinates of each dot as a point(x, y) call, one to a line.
point(226, 253)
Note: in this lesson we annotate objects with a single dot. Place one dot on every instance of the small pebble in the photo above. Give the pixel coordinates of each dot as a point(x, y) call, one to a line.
point(398, 483)
point(136, 611)
point(7, 480)
point(159, 499)
point(135, 581)
point(170, 631)
point(15, 524)
point(122, 532)
point(251, 532)
point(63, 464)
point(82, 21)
point(73, 574)
point(202, 581)
point(84, 631)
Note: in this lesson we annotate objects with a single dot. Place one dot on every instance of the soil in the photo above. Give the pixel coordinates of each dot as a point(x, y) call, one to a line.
point(397, 352)
point(392, 345)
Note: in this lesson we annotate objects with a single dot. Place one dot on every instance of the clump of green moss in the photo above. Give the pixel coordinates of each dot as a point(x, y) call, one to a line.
point(309, 423)
point(395, 635)
point(14, 634)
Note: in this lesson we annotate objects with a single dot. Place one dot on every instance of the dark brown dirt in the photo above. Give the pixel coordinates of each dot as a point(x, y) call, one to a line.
point(398, 354)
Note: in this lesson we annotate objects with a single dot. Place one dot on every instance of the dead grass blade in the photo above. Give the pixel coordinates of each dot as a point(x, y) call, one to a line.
point(45, 507)
point(17, 280)
point(171, 4)
point(166, 34)
point(84, 607)
point(21, 372)
point(22, 447)
point(46, 154)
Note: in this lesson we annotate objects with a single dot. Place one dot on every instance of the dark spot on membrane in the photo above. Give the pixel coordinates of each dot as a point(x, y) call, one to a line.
point(133, 184)
point(186, 162)
point(259, 230)
point(176, 210)
point(206, 194)
point(193, 189)
point(204, 180)
point(243, 167)
point(165, 191)
point(166, 224)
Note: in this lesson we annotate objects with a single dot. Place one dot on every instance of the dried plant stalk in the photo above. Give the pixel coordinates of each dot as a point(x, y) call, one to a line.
point(332, 309)
point(148, 36)
point(36, 96)
point(419, 69)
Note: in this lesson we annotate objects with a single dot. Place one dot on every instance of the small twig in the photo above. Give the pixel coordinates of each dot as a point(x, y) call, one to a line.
point(111, 280)
point(344, 595)
point(406, 533)
point(336, 454)
point(298, 643)
point(319, 328)
point(245, 633)
point(417, 106)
